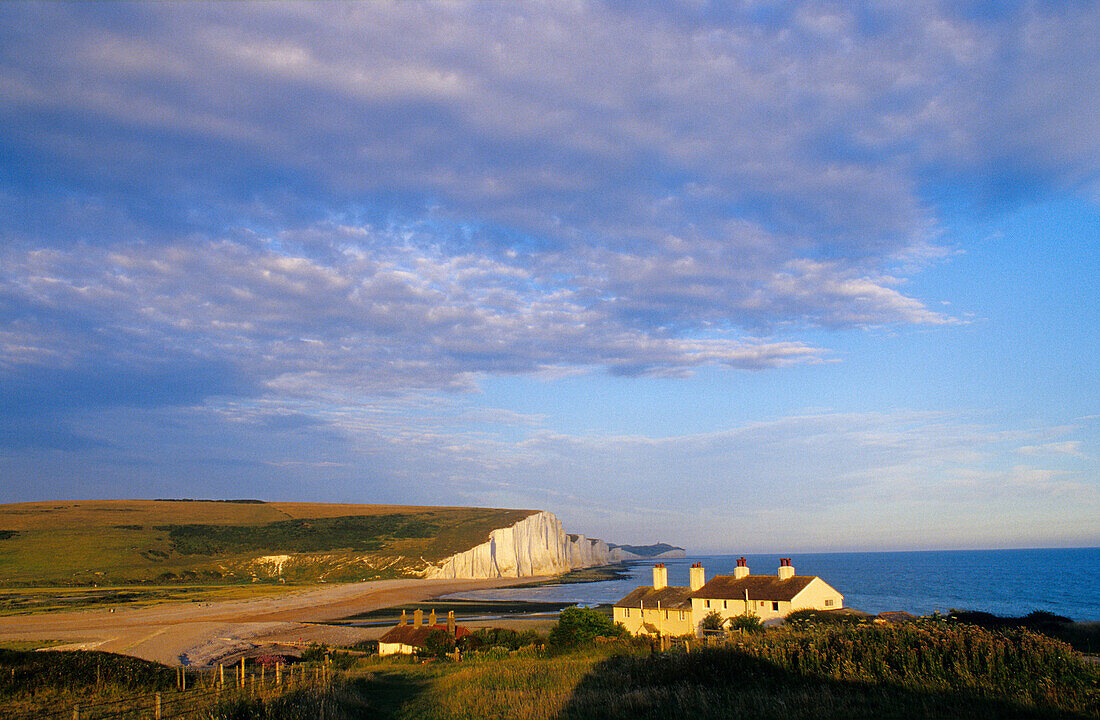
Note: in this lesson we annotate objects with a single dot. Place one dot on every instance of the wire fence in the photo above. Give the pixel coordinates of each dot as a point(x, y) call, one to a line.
point(195, 697)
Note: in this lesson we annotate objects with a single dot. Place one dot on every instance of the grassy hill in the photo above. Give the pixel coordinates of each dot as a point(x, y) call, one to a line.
point(125, 542)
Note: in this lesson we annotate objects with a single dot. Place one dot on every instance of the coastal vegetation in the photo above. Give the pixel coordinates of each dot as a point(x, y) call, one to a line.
point(26, 600)
point(581, 626)
point(1084, 637)
point(37, 684)
point(927, 669)
point(930, 668)
point(206, 542)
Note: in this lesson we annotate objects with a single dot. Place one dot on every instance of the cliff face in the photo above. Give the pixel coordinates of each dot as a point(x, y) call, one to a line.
point(536, 545)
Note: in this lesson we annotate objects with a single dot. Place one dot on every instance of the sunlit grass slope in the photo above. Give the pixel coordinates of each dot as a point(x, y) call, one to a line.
point(930, 670)
point(119, 542)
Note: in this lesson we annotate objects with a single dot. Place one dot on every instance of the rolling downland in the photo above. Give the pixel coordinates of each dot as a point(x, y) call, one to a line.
point(206, 542)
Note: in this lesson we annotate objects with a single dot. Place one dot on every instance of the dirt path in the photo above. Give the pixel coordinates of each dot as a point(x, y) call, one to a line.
point(204, 633)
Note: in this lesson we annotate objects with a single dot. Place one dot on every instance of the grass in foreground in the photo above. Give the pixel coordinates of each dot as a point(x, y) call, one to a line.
point(924, 670)
point(37, 683)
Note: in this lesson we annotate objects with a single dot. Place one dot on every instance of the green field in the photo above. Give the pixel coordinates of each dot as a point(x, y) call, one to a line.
point(24, 600)
point(172, 542)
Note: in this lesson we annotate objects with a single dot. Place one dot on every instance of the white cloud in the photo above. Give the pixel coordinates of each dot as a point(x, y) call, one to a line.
point(1065, 447)
point(368, 320)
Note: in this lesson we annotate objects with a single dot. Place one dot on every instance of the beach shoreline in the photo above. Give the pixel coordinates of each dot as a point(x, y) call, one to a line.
point(202, 634)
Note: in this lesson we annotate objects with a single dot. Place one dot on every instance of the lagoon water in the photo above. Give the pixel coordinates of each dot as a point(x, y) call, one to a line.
point(1005, 582)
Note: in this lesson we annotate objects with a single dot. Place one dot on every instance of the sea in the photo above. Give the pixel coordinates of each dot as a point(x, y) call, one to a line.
point(1064, 581)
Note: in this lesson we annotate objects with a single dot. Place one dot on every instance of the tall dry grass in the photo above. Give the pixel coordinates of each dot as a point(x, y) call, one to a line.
point(926, 670)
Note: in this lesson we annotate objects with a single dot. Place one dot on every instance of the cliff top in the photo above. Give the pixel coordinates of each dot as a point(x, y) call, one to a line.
point(113, 542)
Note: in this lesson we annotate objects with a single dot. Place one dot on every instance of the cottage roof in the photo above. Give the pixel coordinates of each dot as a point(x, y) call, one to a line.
point(760, 587)
point(415, 636)
point(670, 598)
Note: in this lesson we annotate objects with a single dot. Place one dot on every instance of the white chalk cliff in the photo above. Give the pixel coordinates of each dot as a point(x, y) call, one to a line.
point(536, 545)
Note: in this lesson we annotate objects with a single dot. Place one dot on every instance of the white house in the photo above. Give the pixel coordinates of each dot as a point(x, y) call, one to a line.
point(766, 596)
point(657, 610)
point(664, 610)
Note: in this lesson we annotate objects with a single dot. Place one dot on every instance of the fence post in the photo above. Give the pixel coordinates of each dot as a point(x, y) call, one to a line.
point(221, 674)
point(183, 677)
point(278, 673)
point(242, 673)
point(156, 715)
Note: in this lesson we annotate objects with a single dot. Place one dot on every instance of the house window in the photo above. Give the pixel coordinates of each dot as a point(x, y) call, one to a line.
point(829, 603)
point(762, 603)
point(626, 613)
point(775, 606)
point(681, 614)
point(666, 614)
point(707, 602)
point(723, 604)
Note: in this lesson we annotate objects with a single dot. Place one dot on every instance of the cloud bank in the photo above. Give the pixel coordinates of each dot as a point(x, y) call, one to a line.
point(343, 215)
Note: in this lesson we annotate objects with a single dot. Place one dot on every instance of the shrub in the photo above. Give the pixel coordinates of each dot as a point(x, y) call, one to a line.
point(438, 643)
point(713, 621)
point(746, 622)
point(577, 626)
point(314, 653)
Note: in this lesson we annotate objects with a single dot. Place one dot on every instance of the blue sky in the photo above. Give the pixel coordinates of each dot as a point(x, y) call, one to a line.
point(752, 277)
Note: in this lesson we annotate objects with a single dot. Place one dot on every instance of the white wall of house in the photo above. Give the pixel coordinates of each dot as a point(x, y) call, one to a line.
point(817, 595)
point(667, 622)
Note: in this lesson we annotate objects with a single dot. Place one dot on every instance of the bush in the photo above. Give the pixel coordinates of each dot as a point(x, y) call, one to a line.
point(746, 622)
point(578, 626)
point(438, 643)
point(321, 653)
point(713, 621)
point(314, 653)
